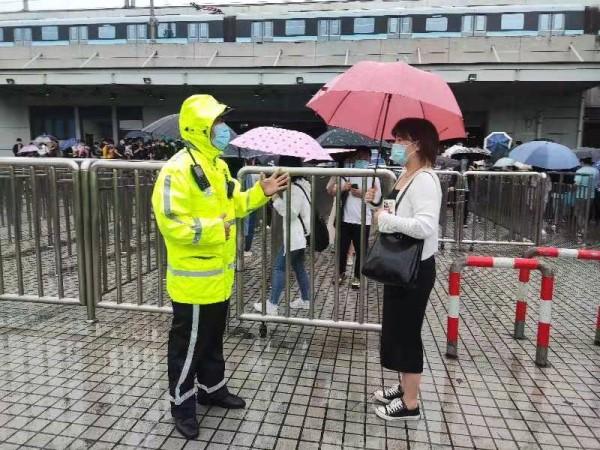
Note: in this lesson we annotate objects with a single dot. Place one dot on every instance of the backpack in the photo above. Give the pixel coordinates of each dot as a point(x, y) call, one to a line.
point(320, 233)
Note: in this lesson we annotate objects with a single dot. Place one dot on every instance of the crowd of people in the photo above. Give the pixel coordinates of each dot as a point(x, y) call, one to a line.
point(130, 149)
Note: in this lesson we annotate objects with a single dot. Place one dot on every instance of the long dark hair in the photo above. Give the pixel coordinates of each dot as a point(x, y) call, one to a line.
point(291, 161)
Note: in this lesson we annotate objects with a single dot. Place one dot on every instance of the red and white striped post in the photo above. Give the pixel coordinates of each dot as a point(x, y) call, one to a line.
point(521, 304)
point(583, 254)
point(524, 265)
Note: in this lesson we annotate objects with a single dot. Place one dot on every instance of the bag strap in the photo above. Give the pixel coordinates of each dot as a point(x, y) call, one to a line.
point(408, 186)
point(309, 205)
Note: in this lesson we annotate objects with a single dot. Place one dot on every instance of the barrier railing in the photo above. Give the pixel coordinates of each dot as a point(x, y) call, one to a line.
point(507, 207)
point(546, 293)
point(568, 202)
point(311, 174)
point(126, 251)
point(89, 225)
point(553, 252)
point(41, 231)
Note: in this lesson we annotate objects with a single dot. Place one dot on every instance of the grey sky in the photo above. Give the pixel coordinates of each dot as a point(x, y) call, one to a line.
point(17, 5)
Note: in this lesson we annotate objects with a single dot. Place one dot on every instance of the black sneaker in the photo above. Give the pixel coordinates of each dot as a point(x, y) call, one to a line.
point(386, 395)
point(397, 410)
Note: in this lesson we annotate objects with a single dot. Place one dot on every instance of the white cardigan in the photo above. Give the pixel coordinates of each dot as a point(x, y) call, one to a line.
point(418, 214)
point(299, 207)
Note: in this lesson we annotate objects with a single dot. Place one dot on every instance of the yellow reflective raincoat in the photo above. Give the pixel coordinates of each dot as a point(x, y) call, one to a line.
point(200, 261)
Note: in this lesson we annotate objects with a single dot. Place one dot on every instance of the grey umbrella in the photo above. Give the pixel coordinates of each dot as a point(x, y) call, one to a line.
point(341, 138)
point(588, 152)
point(168, 127)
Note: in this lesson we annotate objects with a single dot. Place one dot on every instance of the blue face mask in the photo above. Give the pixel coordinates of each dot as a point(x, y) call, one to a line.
point(222, 136)
point(399, 155)
point(361, 164)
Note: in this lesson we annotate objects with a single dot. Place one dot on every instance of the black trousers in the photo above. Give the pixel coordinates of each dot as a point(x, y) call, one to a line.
point(350, 233)
point(403, 314)
point(195, 353)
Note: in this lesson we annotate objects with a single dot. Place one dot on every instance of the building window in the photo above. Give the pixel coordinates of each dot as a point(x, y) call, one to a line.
point(262, 31)
point(473, 25)
point(1, 34)
point(329, 29)
point(393, 25)
point(406, 25)
point(106, 32)
point(197, 32)
point(78, 34)
point(167, 30)
point(436, 24)
point(22, 36)
point(554, 23)
point(512, 21)
point(137, 32)
point(295, 27)
point(399, 25)
point(364, 25)
point(50, 33)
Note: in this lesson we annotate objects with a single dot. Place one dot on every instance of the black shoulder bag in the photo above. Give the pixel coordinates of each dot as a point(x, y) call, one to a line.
point(394, 258)
point(320, 233)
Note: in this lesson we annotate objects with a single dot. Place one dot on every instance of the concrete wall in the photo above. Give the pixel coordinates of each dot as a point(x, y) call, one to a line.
point(525, 116)
point(14, 123)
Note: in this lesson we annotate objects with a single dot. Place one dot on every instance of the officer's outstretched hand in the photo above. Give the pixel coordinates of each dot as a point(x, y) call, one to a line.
point(277, 182)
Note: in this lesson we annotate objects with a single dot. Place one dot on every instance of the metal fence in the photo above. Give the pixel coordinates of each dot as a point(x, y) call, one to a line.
point(505, 207)
point(83, 232)
point(41, 231)
point(569, 201)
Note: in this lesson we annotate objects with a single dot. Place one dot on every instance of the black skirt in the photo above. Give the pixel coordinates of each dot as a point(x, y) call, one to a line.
point(403, 315)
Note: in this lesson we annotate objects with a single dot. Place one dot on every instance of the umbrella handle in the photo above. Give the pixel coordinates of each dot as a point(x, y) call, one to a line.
point(387, 109)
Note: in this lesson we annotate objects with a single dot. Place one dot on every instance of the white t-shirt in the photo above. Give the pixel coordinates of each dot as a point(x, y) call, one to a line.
point(353, 205)
point(418, 214)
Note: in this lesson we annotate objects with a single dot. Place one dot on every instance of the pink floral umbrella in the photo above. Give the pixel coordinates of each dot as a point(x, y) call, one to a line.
point(279, 141)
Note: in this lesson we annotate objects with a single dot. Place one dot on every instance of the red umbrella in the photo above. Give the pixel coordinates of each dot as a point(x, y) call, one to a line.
point(371, 97)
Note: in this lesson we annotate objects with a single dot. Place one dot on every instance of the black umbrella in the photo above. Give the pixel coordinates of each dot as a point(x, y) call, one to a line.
point(138, 134)
point(341, 138)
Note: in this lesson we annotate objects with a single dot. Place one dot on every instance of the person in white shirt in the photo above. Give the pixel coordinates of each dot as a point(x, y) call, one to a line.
point(416, 214)
point(299, 230)
point(352, 200)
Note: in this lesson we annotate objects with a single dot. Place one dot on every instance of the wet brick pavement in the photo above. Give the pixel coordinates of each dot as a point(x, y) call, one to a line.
point(68, 384)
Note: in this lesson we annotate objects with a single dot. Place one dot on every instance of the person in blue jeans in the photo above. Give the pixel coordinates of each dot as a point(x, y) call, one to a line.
point(299, 230)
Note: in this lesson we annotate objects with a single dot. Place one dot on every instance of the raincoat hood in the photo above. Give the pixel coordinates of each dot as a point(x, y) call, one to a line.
point(196, 118)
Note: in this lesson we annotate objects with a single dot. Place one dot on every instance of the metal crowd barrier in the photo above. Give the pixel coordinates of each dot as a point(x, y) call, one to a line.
point(83, 232)
point(568, 205)
point(126, 255)
point(41, 231)
point(507, 207)
point(265, 266)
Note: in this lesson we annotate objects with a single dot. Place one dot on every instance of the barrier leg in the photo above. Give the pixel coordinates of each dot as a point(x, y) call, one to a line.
point(545, 320)
point(453, 311)
point(597, 340)
point(521, 306)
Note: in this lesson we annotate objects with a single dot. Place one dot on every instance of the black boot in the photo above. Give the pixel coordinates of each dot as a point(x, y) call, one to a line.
point(187, 426)
point(222, 398)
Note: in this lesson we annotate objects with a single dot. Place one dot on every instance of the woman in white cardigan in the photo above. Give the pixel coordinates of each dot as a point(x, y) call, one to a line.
point(299, 229)
point(417, 215)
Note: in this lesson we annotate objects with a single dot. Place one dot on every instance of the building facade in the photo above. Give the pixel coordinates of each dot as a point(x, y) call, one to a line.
point(526, 70)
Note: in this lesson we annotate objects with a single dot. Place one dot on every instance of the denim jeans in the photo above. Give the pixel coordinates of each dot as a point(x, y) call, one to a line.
point(249, 231)
point(278, 278)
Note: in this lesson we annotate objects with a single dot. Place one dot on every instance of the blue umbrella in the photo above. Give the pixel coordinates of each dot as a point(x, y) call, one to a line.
point(498, 143)
point(547, 155)
point(63, 145)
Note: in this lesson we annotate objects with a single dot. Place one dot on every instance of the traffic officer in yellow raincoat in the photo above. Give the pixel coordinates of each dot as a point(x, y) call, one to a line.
point(196, 202)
